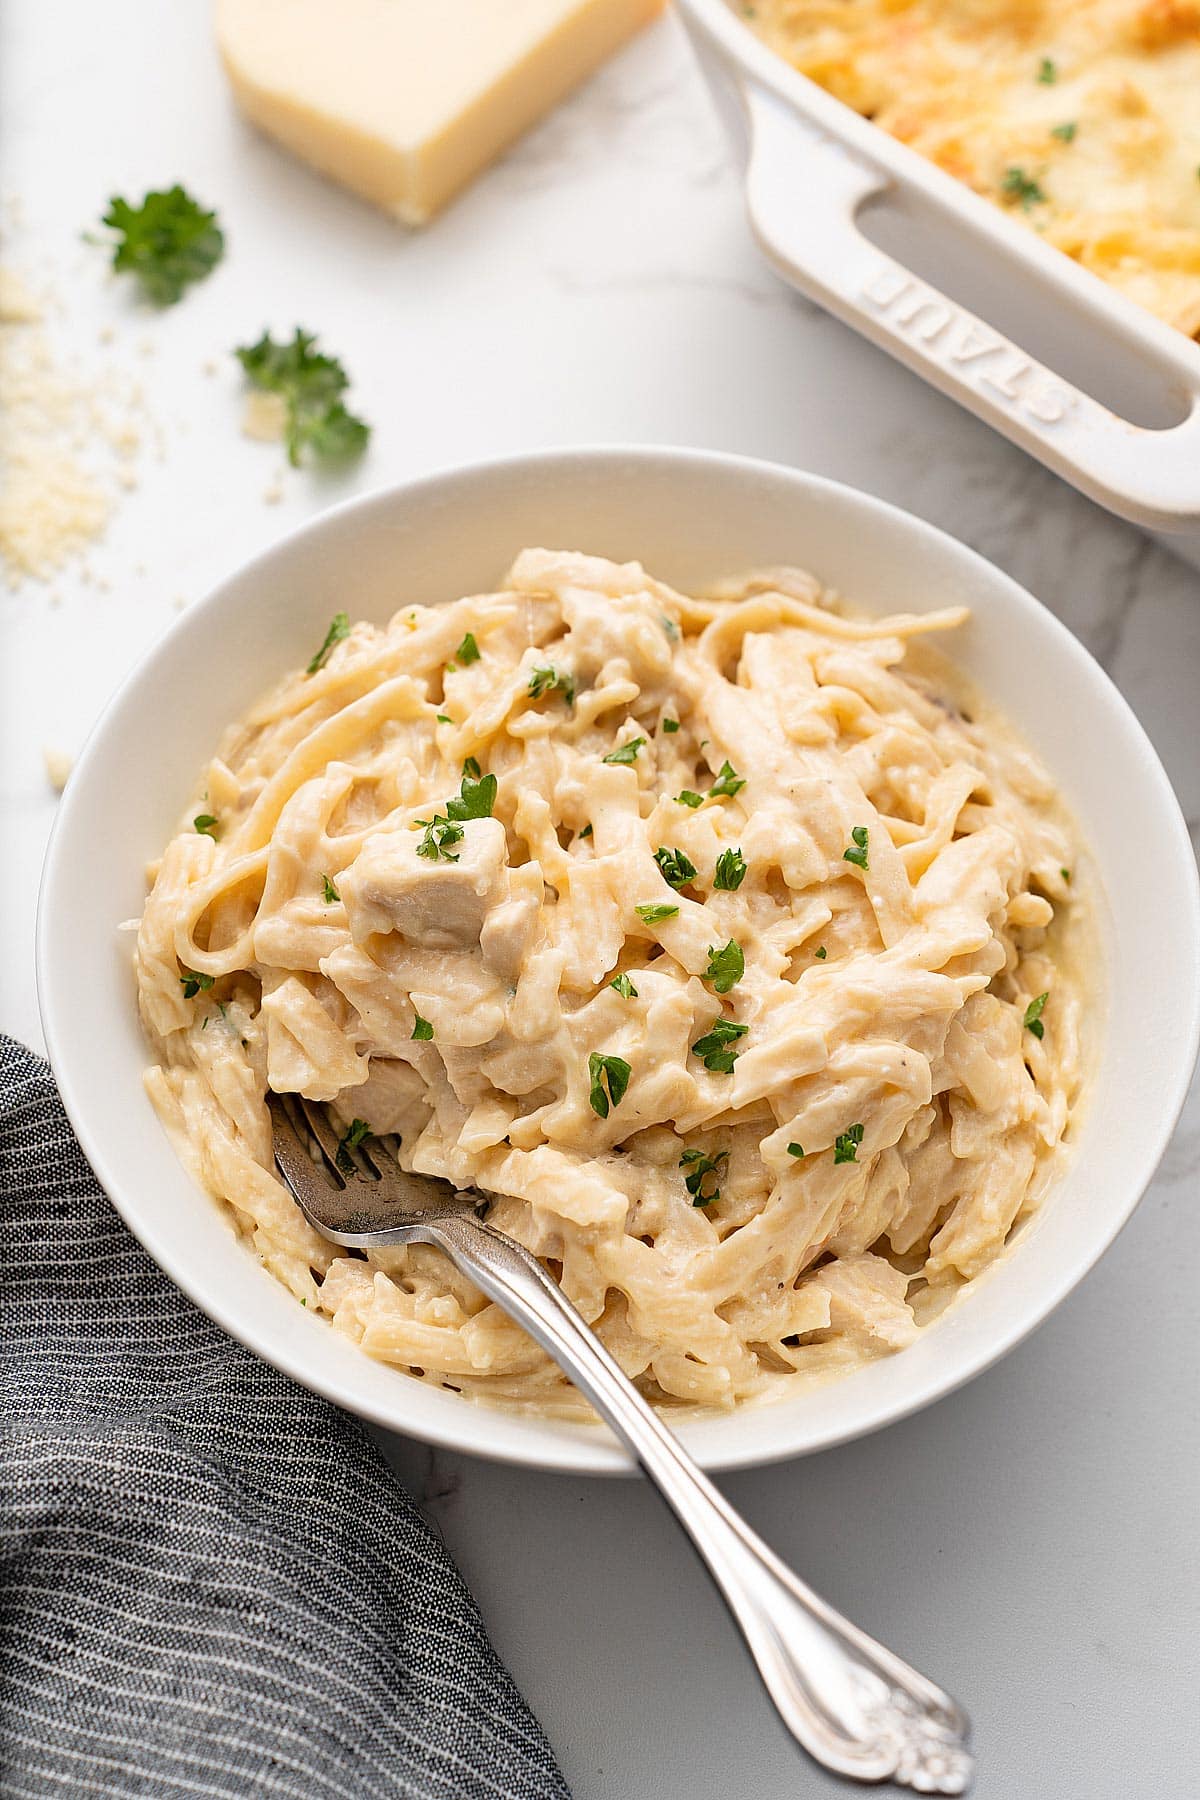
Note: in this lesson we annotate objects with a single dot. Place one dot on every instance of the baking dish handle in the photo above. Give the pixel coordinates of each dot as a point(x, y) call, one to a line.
point(804, 190)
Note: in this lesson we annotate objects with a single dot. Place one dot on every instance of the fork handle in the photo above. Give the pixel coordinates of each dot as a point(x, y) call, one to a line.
point(854, 1706)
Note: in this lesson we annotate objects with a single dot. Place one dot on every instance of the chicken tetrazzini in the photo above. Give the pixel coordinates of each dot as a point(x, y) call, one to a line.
point(719, 938)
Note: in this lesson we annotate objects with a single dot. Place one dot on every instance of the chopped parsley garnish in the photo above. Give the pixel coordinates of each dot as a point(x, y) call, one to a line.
point(206, 824)
point(677, 869)
point(586, 832)
point(1047, 71)
point(545, 680)
point(440, 833)
point(670, 627)
point(422, 1030)
point(730, 871)
point(728, 782)
point(475, 799)
point(670, 725)
point(1017, 185)
point(193, 983)
point(468, 651)
point(796, 1150)
point(357, 1133)
point(624, 987)
point(1066, 875)
point(820, 953)
point(339, 628)
point(331, 894)
point(1033, 1016)
point(700, 1166)
point(471, 768)
point(690, 798)
point(168, 242)
point(857, 854)
point(1065, 133)
point(444, 719)
point(311, 385)
point(650, 915)
point(725, 967)
point(715, 1048)
point(845, 1145)
point(610, 1070)
point(627, 753)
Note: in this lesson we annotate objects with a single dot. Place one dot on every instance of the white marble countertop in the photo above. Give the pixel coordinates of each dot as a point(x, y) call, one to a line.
point(1029, 1541)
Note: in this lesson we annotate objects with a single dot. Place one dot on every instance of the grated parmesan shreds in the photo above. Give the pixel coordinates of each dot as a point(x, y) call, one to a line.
point(67, 445)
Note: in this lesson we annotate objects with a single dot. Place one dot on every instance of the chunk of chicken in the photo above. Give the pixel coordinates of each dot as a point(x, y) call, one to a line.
point(440, 904)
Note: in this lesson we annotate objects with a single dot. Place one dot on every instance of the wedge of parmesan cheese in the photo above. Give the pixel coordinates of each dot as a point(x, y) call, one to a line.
point(405, 101)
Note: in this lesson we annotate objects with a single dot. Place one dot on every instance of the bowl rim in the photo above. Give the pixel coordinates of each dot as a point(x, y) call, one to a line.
point(562, 1453)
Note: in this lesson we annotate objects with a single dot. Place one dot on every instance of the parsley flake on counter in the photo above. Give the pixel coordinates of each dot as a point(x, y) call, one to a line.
point(422, 1030)
point(728, 782)
point(168, 242)
point(689, 798)
point(475, 798)
point(331, 894)
point(820, 953)
point(547, 679)
point(730, 871)
point(715, 1048)
point(627, 753)
point(206, 824)
point(677, 870)
point(311, 384)
point(624, 987)
point(1047, 71)
point(845, 1145)
point(670, 725)
point(857, 854)
point(1065, 133)
point(356, 1133)
point(650, 915)
point(193, 983)
point(725, 967)
point(700, 1166)
point(1017, 185)
point(339, 628)
point(614, 1071)
point(468, 651)
point(796, 1150)
point(1033, 1016)
point(440, 833)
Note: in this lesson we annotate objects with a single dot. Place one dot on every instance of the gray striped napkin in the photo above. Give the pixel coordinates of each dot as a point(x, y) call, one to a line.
point(211, 1584)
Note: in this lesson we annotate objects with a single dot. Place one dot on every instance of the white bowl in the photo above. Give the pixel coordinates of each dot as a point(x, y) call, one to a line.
point(689, 516)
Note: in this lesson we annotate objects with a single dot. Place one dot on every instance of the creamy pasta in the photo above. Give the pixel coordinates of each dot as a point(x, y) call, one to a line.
point(726, 941)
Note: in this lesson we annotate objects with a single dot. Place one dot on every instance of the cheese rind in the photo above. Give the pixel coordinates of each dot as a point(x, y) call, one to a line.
point(405, 101)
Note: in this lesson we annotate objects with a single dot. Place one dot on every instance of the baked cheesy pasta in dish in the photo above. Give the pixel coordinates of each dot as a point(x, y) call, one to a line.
point(724, 940)
point(1082, 117)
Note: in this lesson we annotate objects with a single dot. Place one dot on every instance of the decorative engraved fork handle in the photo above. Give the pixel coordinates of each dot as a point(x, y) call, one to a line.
point(855, 1707)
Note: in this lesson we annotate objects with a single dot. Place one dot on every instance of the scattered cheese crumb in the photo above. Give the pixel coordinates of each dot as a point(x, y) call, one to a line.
point(265, 417)
point(58, 766)
point(273, 492)
point(17, 304)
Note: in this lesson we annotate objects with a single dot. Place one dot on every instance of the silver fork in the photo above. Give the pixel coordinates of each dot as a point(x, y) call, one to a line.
point(854, 1706)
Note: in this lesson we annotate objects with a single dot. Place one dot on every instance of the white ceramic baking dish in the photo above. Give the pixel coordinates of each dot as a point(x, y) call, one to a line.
point(1115, 406)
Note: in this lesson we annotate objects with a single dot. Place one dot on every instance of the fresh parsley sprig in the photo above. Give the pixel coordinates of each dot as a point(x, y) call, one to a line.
point(700, 1167)
point(715, 1048)
point(548, 680)
point(650, 915)
point(628, 753)
point(356, 1133)
point(339, 628)
point(422, 1030)
point(1033, 1016)
point(311, 385)
point(857, 852)
point(330, 891)
point(609, 1079)
point(624, 987)
point(730, 871)
point(725, 967)
point(476, 797)
point(207, 824)
point(845, 1145)
point(194, 983)
point(439, 833)
point(1022, 188)
point(677, 869)
point(167, 243)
